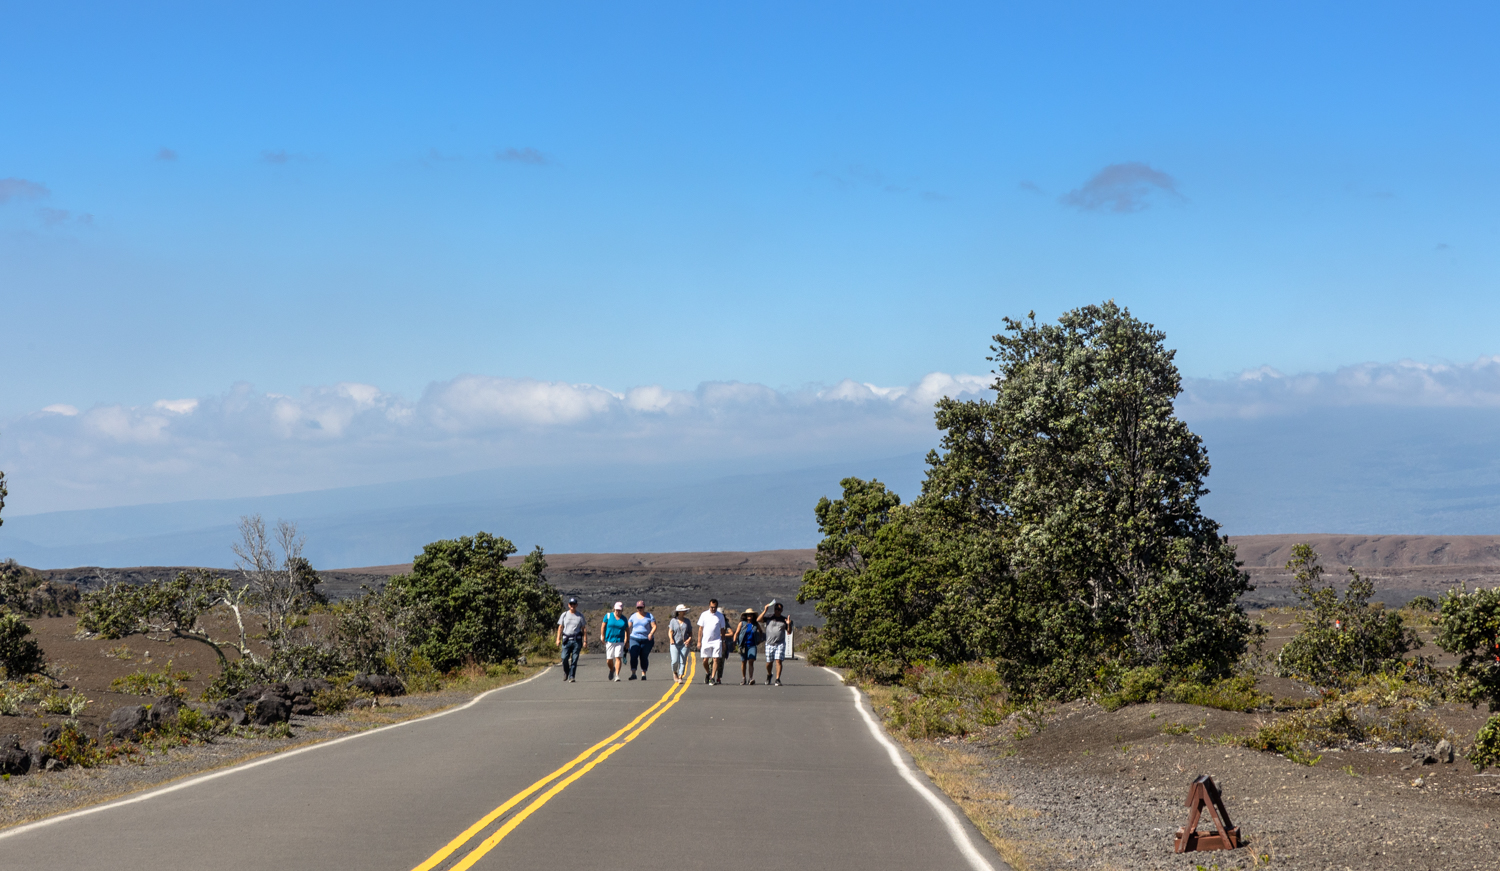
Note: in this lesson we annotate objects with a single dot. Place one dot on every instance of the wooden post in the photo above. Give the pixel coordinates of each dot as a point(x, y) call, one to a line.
point(1202, 793)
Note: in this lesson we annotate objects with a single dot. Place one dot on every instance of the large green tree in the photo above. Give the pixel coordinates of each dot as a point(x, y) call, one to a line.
point(1063, 514)
point(473, 605)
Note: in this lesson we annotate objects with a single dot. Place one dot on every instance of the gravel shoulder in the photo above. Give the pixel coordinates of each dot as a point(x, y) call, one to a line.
point(35, 796)
point(1091, 789)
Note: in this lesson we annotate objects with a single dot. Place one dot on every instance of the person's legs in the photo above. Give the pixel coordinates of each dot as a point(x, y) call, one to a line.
point(645, 656)
point(570, 658)
point(635, 657)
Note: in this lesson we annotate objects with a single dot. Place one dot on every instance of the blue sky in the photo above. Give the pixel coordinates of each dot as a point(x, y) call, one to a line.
point(667, 196)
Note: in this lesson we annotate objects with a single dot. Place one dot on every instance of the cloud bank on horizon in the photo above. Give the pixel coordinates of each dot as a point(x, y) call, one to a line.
point(248, 442)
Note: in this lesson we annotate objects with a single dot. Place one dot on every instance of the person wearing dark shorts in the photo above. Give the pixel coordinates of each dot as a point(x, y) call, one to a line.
point(776, 626)
point(642, 639)
point(747, 637)
point(572, 638)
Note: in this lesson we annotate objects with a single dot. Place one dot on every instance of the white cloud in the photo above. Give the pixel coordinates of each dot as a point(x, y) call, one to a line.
point(1265, 391)
point(247, 442)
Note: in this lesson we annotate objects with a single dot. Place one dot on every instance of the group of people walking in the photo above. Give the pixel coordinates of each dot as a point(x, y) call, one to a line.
point(634, 636)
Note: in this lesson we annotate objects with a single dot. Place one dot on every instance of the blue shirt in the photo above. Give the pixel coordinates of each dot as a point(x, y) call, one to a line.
point(640, 626)
point(614, 629)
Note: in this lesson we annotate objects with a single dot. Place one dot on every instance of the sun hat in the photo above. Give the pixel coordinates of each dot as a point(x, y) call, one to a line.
point(619, 606)
point(679, 609)
point(748, 611)
point(640, 604)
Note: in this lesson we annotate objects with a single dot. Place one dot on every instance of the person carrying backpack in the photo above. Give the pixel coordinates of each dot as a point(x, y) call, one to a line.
point(612, 631)
point(747, 637)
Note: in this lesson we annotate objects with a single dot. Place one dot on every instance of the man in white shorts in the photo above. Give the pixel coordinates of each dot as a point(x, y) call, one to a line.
point(776, 626)
point(711, 624)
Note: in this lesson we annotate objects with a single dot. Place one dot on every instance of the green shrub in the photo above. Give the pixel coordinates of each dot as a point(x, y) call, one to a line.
point(19, 656)
point(337, 698)
point(153, 683)
point(1486, 750)
point(1344, 639)
point(1137, 686)
point(71, 704)
point(73, 747)
point(1470, 627)
point(954, 700)
point(463, 602)
point(15, 694)
point(1145, 685)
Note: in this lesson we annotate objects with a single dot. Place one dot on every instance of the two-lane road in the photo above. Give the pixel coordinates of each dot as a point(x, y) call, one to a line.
point(548, 774)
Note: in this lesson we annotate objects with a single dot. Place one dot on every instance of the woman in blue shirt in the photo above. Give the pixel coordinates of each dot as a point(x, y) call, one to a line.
point(612, 635)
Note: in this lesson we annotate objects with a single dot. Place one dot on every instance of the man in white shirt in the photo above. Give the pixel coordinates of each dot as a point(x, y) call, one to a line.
point(711, 625)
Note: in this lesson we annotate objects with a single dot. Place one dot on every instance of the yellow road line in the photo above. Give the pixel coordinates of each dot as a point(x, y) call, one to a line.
point(510, 825)
point(666, 701)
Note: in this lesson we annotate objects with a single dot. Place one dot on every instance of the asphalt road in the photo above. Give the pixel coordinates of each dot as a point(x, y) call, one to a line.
point(709, 777)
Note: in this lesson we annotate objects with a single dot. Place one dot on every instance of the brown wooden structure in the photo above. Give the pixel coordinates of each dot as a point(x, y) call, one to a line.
point(1202, 793)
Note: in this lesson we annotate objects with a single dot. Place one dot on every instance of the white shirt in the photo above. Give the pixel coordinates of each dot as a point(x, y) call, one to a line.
point(712, 623)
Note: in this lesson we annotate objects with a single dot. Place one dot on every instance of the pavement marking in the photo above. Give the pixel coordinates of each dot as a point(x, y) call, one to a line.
point(614, 741)
point(962, 839)
point(266, 760)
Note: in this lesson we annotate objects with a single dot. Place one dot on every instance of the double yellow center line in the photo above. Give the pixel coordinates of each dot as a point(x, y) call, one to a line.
point(587, 759)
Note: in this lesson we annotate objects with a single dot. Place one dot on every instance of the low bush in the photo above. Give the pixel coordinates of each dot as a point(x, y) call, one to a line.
point(1486, 750)
point(1146, 685)
point(70, 704)
point(15, 694)
point(937, 702)
point(72, 747)
point(337, 698)
point(1384, 709)
point(153, 683)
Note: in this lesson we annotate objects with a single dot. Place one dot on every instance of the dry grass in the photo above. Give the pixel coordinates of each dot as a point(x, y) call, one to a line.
point(959, 772)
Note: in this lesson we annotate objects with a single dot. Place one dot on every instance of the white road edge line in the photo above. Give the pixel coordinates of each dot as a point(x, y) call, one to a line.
point(960, 835)
point(274, 757)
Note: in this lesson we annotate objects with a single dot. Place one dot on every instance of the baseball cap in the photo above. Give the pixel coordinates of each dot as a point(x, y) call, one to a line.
point(619, 606)
point(640, 604)
point(573, 601)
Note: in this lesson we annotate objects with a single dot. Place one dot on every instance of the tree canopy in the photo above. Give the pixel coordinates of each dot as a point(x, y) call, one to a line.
point(1058, 523)
point(471, 605)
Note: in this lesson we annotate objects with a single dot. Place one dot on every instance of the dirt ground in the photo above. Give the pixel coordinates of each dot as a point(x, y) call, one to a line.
point(1085, 788)
point(88, 667)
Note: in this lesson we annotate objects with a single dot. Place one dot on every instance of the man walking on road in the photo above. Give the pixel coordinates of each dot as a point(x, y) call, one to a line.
point(571, 639)
point(711, 626)
point(680, 637)
point(612, 635)
point(776, 627)
point(642, 638)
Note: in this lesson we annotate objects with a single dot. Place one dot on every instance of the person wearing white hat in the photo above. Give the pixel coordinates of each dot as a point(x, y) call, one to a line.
point(612, 631)
point(679, 641)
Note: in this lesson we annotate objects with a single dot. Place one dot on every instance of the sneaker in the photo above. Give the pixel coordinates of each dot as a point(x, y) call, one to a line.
point(617, 678)
point(742, 681)
point(632, 677)
point(718, 682)
point(752, 681)
point(643, 677)
point(778, 681)
point(572, 680)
